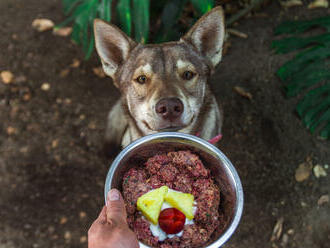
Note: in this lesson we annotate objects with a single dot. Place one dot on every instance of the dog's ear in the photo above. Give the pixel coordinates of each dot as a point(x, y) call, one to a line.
point(112, 45)
point(207, 35)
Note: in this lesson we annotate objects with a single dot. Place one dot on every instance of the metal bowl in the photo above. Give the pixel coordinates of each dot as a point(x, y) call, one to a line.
point(224, 173)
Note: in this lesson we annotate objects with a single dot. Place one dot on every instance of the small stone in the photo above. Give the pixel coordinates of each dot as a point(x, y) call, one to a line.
point(67, 101)
point(63, 220)
point(11, 130)
point(318, 4)
point(55, 236)
point(7, 77)
point(45, 86)
point(82, 117)
point(324, 199)
point(57, 158)
point(285, 240)
point(302, 172)
point(64, 73)
point(290, 3)
point(24, 149)
point(82, 215)
point(27, 226)
point(290, 231)
point(303, 204)
point(27, 96)
point(67, 235)
point(85, 196)
point(42, 24)
point(83, 239)
point(20, 79)
point(319, 171)
point(64, 31)
point(75, 63)
point(51, 229)
point(92, 126)
point(55, 143)
point(98, 71)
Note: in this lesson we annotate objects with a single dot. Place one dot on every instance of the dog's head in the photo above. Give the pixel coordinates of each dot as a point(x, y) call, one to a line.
point(163, 85)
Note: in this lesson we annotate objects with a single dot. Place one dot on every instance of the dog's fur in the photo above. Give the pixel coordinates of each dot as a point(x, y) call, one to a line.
point(162, 67)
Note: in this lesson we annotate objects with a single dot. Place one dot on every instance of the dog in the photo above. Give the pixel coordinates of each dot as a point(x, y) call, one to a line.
point(164, 87)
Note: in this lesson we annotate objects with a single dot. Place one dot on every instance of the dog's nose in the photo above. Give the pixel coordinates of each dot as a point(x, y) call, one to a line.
point(169, 108)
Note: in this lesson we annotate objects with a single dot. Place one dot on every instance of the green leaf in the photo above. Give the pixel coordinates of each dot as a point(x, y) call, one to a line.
point(295, 27)
point(325, 132)
point(141, 20)
point(69, 5)
point(304, 58)
point(104, 10)
point(124, 14)
point(325, 117)
point(294, 43)
point(203, 6)
point(305, 79)
point(170, 15)
point(308, 73)
point(312, 98)
point(310, 117)
point(90, 47)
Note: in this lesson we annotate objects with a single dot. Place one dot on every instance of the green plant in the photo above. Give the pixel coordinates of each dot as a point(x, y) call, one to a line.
point(308, 73)
point(133, 17)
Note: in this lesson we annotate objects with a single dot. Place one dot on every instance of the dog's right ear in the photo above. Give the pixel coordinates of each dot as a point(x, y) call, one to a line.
point(112, 45)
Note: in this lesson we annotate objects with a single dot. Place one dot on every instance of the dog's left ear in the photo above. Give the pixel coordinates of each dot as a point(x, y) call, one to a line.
point(112, 45)
point(207, 35)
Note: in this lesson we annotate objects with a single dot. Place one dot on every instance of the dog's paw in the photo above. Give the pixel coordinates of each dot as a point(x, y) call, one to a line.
point(111, 150)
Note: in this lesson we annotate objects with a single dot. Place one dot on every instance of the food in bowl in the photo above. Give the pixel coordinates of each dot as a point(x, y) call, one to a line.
point(172, 201)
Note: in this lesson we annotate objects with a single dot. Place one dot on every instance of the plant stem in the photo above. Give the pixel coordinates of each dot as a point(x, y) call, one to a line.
point(243, 12)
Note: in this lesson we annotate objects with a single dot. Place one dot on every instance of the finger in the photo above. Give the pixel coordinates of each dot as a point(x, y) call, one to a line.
point(116, 212)
point(99, 223)
point(102, 218)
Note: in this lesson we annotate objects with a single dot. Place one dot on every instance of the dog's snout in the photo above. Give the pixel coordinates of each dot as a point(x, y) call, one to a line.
point(169, 108)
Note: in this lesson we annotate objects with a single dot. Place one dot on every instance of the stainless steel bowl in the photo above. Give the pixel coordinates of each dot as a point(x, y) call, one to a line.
point(224, 173)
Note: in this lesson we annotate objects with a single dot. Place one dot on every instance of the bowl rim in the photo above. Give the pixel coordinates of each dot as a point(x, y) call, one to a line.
point(226, 162)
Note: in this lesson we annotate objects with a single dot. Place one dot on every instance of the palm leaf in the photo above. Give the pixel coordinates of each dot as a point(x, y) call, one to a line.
point(82, 14)
point(170, 15)
point(124, 15)
point(133, 17)
point(308, 74)
point(141, 20)
point(203, 6)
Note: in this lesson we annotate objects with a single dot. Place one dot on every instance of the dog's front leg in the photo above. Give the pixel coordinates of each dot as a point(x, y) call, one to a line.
point(116, 126)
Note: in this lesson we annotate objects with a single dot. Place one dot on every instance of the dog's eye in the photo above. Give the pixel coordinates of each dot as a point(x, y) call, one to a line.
point(187, 75)
point(141, 79)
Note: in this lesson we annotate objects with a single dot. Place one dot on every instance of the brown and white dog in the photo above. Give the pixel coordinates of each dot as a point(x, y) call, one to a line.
point(164, 87)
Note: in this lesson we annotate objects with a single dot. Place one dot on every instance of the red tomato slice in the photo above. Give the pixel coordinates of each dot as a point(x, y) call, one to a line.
point(171, 220)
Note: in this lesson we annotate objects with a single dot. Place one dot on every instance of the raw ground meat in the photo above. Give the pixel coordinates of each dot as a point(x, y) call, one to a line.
point(182, 171)
point(134, 185)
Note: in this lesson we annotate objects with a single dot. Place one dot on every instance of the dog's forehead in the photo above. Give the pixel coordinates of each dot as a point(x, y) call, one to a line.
point(166, 57)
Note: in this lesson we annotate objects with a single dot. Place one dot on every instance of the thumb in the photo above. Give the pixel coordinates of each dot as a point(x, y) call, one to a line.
point(116, 212)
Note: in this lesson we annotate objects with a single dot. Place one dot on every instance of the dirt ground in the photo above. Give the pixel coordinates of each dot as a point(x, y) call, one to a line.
point(52, 168)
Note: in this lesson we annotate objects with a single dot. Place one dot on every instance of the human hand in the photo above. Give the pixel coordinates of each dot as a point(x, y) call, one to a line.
point(110, 229)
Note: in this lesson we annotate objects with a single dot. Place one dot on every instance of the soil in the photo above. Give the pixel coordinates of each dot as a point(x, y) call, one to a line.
point(52, 168)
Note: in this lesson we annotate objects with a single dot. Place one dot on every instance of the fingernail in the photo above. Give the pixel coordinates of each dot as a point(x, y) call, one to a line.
point(113, 195)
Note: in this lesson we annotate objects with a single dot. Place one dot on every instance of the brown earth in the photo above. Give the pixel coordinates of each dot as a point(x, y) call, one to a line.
point(52, 169)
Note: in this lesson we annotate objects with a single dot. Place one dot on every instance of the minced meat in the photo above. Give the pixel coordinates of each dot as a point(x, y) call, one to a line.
point(182, 171)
